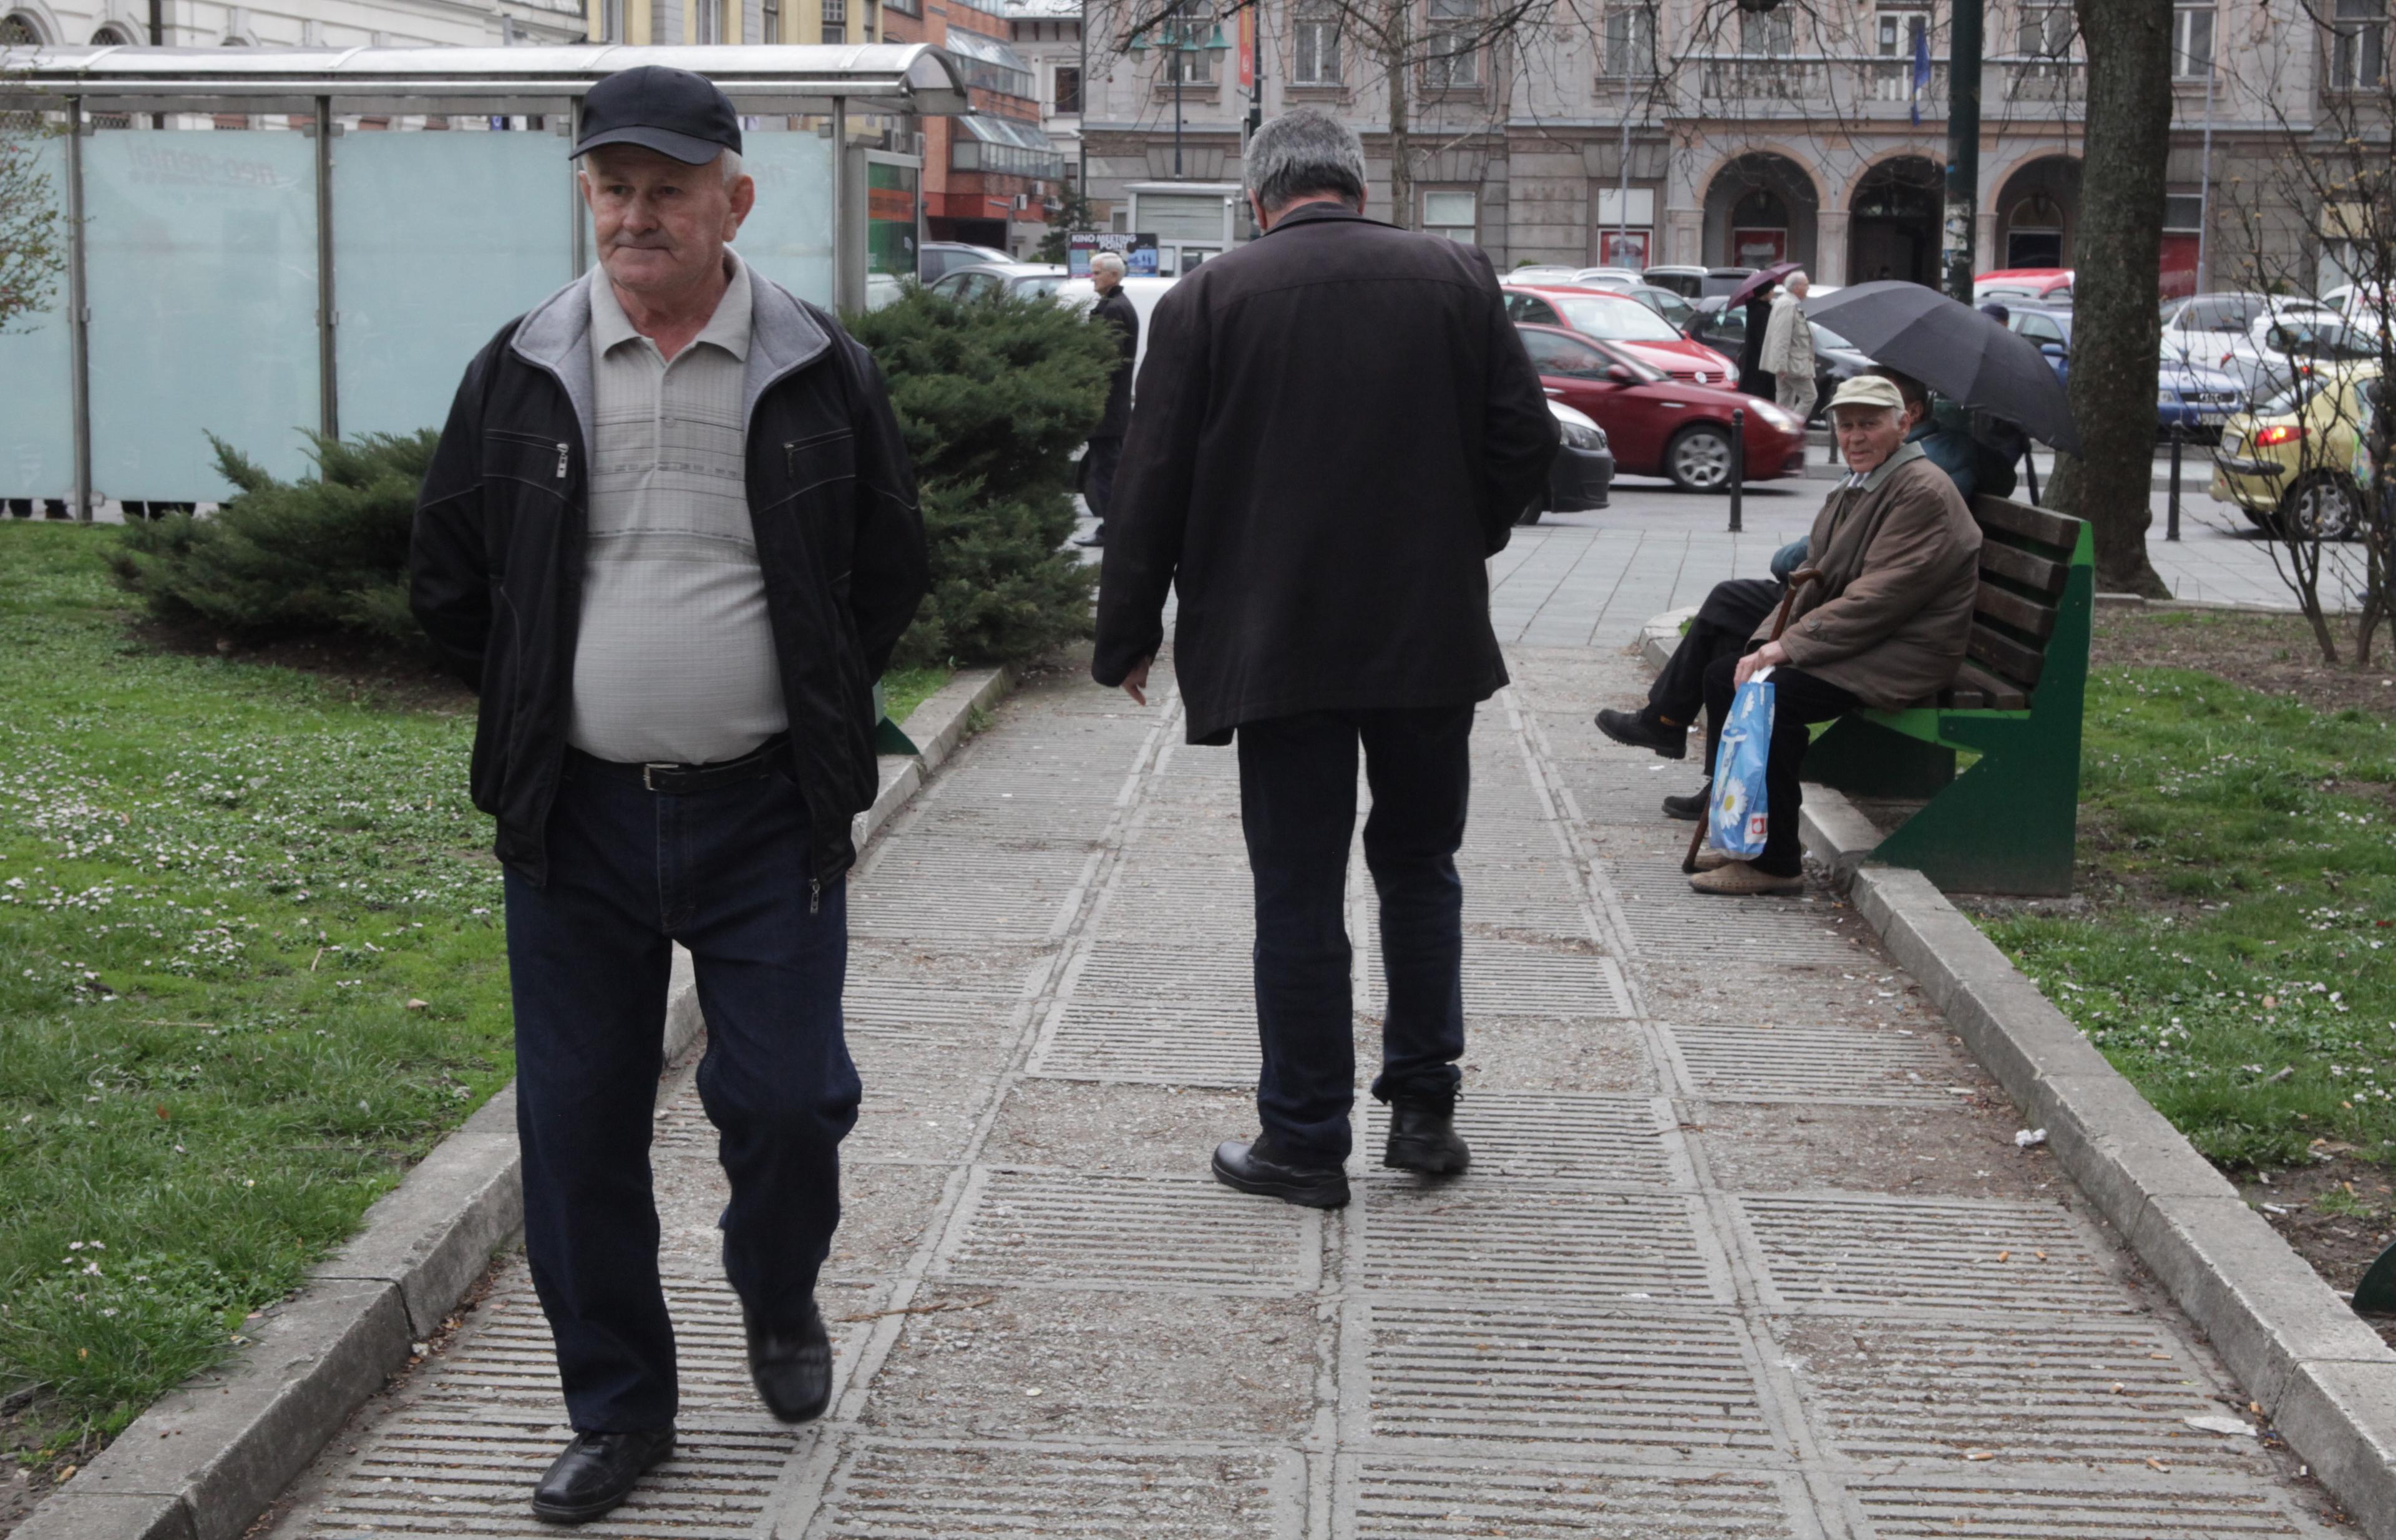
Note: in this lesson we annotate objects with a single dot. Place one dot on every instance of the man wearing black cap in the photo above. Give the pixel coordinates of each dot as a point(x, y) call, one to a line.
point(671, 536)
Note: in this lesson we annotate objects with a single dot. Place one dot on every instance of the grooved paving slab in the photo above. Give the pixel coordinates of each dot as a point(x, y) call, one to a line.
point(961, 889)
point(1150, 1046)
point(1814, 1063)
point(1111, 1231)
point(1657, 1382)
point(917, 1491)
point(1410, 1500)
point(1623, 1140)
point(1664, 914)
point(1899, 1509)
point(1476, 1240)
point(1853, 1252)
point(1507, 977)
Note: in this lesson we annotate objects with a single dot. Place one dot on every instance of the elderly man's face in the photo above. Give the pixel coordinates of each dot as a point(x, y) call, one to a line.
point(1867, 434)
point(662, 224)
point(1104, 279)
point(1799, 285)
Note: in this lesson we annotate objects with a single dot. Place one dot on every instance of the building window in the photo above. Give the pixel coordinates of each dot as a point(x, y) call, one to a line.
point(611, 20)
point(1315, 39)
point(2192, 42)
point(1630, 43)
point(1068, 96)
point(1454, 55)
point(769, 22)
point(2046, 32)
point(1452, 215)
point(1191, 24)
point(18, 30)
point(835, 20)
point(2358, 45)
point(708, 21)
point(1769, 32)
point(1898, 31)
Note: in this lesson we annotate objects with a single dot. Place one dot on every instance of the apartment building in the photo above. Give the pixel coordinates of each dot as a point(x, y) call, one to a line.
point(288, 23)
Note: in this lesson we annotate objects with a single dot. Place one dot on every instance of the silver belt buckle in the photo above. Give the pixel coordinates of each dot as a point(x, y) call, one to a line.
point(647, 774)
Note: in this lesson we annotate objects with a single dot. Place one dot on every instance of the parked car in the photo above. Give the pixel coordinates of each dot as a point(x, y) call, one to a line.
point(1621, 279)
point(1541, 273)
point(2202, 328)
point(2288, 463)
point(936, 260)
point(1581, 476)
point(1658, 426)
point(2278, 351)
point(2195, 399)
point(2037, 285)
point(1143, 292)
point(1024, 280)
point(1676, 310)
point(1697, 283)
point(1618, 318)
point(1836, 359)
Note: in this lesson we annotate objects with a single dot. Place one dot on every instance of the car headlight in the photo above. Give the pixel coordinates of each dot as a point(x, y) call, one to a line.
point(1774, 414)
point(1583, 438)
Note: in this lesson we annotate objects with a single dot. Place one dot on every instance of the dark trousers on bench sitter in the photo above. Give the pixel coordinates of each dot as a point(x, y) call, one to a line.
point(725, 871)
point(1799, 700)
point(1298, 809)
point(1722, 628)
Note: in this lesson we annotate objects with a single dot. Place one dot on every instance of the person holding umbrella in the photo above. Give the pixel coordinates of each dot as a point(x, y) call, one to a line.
point(1885, 623)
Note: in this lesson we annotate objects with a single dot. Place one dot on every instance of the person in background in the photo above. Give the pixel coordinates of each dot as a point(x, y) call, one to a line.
point(1789, 348)
point(1105, 451)
point(1885, 624)
point(1752, 379)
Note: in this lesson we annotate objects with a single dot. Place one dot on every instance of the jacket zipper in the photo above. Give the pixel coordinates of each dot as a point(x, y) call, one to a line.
point(561, 459)
point(815, 896)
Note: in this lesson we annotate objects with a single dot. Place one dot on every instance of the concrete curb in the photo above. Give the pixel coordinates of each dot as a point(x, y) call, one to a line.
point(2323, 1378)
point(214, 1453)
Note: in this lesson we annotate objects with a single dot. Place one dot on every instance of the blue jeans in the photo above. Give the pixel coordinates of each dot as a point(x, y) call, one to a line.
point(1297, 808)
point(725, 873)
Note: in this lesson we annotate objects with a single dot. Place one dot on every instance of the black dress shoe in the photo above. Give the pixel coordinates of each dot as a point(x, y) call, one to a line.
point(597, 1471)
point(1261, 1169)
point(1423, 1137)
point(1639, 730)
point(792, 1368)
point(1095, 537)
point(1688, 809)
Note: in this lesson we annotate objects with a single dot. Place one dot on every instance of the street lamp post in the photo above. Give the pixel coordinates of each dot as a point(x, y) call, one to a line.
point(1178, 35)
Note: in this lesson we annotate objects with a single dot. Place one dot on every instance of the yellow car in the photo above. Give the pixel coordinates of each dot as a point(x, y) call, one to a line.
point(2288, 464)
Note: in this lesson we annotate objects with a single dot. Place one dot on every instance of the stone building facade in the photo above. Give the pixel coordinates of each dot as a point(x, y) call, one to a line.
point(288, 23)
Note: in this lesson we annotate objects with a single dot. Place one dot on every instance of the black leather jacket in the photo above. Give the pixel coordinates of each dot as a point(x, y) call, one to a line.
point(496, 560)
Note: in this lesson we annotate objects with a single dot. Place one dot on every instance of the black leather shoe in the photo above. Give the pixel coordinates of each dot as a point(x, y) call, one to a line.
point(1261, 1169)
point(597, 1471)
point(792, 1369)
point(1095, 537)
point(1688, 809)
point(1638, 730)
point(1423, 1137)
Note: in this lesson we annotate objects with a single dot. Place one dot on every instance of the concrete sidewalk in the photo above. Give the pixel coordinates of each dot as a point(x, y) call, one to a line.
point(1749, 1249)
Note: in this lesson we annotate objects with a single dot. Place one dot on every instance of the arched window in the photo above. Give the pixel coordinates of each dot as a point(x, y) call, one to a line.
point(19, 30)
point(110, 36)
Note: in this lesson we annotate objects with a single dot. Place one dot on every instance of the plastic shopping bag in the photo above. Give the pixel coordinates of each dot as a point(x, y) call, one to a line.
point(1736, 811)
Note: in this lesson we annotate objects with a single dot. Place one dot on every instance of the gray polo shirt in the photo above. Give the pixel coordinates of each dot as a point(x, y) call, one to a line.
point(675, 661)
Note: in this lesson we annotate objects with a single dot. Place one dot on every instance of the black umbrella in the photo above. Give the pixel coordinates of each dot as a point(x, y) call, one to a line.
point(1954, 349)
point(1760, 281)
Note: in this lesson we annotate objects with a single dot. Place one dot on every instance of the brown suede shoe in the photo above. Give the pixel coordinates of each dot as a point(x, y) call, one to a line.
point(1710, 860)
point(1739, 880)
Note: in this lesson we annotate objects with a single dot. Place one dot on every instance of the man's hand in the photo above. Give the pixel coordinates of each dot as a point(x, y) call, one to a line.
point(1135, 681)
point(1770, 655)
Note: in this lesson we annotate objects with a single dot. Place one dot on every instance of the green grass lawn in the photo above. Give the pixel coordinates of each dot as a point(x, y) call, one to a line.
point(250, 968)
point(904, 689)
point(2238, 957)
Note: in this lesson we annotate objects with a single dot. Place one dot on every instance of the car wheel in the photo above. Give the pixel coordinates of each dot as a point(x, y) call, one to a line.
point(1529, 515)
point(2323, 508)
point(1698, 458)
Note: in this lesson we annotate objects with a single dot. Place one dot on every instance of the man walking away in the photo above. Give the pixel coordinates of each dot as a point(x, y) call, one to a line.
point(669, 534)
point(1789, 348)
point(1337, 427)
point(1105, 451)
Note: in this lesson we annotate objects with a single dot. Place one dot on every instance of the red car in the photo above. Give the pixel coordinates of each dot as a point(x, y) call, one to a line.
point(1661, 427)
point(1610, 315)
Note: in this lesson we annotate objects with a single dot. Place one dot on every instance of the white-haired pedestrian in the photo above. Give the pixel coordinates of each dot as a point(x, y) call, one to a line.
point(1105, 451)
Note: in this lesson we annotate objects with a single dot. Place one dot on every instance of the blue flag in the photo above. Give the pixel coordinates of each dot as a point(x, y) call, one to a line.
point(1921, 69)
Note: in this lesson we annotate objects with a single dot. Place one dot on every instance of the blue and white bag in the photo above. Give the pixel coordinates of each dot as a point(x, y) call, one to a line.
point(1737, 810)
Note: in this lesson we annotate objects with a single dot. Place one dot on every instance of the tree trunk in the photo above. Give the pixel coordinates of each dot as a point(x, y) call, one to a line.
point(2117, 329)
point(1399, 62)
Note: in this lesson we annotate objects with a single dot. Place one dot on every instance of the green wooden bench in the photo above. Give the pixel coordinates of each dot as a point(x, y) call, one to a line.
point(2006, 824)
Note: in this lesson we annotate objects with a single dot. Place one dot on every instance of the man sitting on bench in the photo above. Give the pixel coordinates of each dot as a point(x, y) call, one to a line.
point(1885, 624)
point(1721, 628)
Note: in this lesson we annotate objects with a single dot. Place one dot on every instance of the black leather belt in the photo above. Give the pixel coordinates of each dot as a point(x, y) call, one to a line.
point(680, 780)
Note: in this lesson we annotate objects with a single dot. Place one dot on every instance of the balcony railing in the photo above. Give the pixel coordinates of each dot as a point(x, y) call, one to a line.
point(1825, 86)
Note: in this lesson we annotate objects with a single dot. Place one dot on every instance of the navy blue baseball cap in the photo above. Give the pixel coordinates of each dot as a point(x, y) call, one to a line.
point(672, 112)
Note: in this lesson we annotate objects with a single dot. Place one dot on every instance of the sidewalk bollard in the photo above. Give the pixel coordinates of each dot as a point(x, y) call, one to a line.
point(1738, 462)
point(2171, 519)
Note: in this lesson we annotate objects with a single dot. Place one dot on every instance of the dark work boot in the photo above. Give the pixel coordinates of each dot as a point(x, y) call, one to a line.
point(597, 1471)
point(1689, 809)
point(792, 1368)
point(1265, 1171)
point(1423, 1137)
point(1643, 729)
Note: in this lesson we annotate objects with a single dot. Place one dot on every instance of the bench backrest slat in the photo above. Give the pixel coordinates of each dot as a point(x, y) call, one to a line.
point(2031, 571)
point(2002, 654)
point(2024, 615)
point(1977, 689)
point(2057, 530)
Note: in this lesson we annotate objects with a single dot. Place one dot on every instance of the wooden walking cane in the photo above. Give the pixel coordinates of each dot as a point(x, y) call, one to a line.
point(1705, 814)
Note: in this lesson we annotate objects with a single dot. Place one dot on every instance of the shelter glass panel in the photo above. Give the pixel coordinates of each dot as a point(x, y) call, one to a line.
point(201, 258)
point(37, 407)
point(788, 235)
point(438, 239)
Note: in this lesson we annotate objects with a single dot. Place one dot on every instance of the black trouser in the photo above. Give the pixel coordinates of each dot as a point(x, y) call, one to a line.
point(1799, 699)
point(1724, 623)
point(1297, 808)
point(1099, 474)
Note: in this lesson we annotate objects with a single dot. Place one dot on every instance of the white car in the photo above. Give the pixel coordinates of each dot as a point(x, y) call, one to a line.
point(2200, 330)
point(1609, 277)
point(1547, 273)
point(2279, 348)
point(1143, 292)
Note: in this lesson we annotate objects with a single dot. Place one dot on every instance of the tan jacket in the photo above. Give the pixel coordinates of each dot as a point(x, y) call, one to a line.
point(1900, 563)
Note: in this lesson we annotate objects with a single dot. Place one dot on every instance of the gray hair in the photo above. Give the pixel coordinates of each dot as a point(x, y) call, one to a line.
point(1107, 261)
point(1798, 278)
point(1305, 151)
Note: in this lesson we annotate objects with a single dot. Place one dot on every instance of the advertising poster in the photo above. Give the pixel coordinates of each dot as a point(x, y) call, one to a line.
point(1139, 252)
point(1758, 249)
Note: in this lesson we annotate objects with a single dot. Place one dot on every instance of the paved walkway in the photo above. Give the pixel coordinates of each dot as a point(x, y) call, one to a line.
point(1748, 1251)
